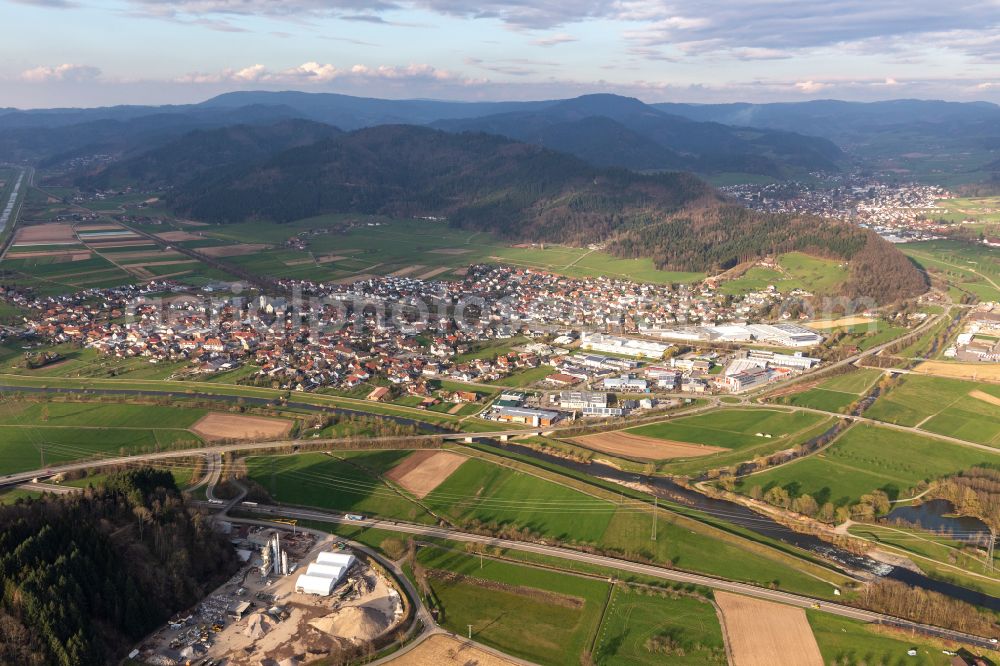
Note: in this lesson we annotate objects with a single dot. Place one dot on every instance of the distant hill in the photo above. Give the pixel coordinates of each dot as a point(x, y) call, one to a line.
point(906, 137)
point(610, 130)
point(203, 151)
point(519, 191)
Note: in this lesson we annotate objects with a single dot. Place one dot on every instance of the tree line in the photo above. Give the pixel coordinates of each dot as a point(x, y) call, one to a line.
point(86, 576)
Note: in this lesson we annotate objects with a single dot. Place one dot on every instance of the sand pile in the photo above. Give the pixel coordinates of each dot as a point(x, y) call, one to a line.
point(355, 623)
point(257, 626)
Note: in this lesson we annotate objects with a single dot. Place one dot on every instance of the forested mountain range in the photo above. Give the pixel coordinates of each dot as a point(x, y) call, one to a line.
point(609, 130)
point(515, 190)
point(86, 576)
point(606, 130)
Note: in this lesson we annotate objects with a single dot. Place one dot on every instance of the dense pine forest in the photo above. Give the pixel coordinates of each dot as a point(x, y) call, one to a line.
point(86, 576)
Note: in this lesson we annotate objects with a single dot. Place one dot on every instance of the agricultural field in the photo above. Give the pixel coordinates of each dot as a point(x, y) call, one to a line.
point(535, 614)
point(836, 393)
point(972, 210)
point(732, 428)
point(761, 633)
point(845, 641)
point(62, 432)
point(966, 410)
point(867, 458)
point(416, 248)
point(971, 269)
point(639, 620)
point(346, 480)
point(510, 500)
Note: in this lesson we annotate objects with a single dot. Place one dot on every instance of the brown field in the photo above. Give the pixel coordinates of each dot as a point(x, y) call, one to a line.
point(354, 278)
point(648, 448)
point(51, 232)
point(139, 271)
point(232, 250)
point(192, 223)
point(330, 257)
point(423, 471)
point(99, 245)
point(166, 263)
point(68, 255)
point(985, 397)
point(413, 268)
point(984, 372)
point(98, 227)
point(177, 236)
point(147, 254)
point(441, 650)
point(762, 633)
point(299, 262)
point(433, 273)
point(215, 426)
point(843, 321)
point(449, 250)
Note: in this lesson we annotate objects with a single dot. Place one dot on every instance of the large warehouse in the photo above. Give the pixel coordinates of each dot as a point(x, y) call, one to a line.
point(323, 575)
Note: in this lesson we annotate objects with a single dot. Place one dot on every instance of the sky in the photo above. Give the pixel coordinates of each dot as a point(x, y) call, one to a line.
point(58, 53)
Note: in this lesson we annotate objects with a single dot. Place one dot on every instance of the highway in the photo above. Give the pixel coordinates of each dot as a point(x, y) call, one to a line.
point(664, 573)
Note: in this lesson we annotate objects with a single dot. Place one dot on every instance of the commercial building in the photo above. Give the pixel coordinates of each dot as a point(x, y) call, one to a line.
point(531, 417)
point(323, 575)
point(748, 379)
point(614, 344)
point(626, 383)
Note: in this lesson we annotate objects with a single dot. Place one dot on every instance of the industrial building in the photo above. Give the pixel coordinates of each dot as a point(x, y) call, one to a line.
point(613, 344)
point(323, 575)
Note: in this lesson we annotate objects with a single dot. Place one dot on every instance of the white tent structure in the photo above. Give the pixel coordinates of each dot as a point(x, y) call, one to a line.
point(336, 559)
point(317, 569)
point(321, 585)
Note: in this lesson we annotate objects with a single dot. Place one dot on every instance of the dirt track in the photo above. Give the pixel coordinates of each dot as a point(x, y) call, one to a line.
point(763, 633)
point(647, 448)
point(215, 426)
point(423, 471)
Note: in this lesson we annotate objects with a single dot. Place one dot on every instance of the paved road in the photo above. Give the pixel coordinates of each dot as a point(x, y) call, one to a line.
point(747, 589)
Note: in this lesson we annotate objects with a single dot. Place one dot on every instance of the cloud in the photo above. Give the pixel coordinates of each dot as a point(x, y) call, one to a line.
point(64, 72)
point(51, 4)
point(811, 86)
point(554, 40)
point(310, 73)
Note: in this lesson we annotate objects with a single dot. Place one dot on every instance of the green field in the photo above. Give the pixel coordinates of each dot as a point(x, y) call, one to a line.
point(943, 406)
point(396, 245)
point(535, 614)
point(795, 270)
point(866, 458)
point(732, 428)
point(482, 494)
point(636, 615)
point(56, 432)
point(845, 641)
point(971, 269)
point(836, 393)
point(348, 482)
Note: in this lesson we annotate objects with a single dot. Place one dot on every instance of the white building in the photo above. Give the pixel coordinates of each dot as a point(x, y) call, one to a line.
point(614, 344)
point(321, 585)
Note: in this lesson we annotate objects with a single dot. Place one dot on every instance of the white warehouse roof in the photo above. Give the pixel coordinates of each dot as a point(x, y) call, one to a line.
point(322, 585)
point(336, 559)
point(328, 570)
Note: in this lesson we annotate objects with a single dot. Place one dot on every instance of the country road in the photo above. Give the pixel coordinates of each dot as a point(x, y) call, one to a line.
point(767, 594)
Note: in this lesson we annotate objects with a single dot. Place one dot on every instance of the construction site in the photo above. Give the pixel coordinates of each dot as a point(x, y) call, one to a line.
point(299, 598)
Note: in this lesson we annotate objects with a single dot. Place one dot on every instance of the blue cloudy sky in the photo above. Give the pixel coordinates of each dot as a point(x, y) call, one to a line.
point(95, 52)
